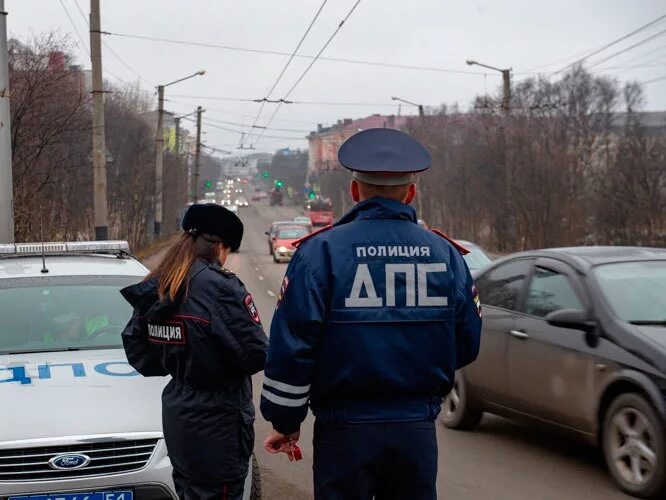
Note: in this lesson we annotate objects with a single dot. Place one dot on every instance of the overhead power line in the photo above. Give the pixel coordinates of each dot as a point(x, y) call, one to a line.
point(236, 131)
point(302, 56)
point(284, 69)
point(631, 47)
point(82, 41)
point(308, 68)
point(245, 125)
point(614, 42)
point(113, 52)
point(236, 113)
point(642, 56)
point(316, 103)
point(658, 79)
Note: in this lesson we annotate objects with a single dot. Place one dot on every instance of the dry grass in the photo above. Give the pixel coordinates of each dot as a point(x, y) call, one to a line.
point(155, 247)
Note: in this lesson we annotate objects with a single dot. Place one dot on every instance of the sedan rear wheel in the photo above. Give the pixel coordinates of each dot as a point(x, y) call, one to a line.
point(634, 446)
point(456, 411)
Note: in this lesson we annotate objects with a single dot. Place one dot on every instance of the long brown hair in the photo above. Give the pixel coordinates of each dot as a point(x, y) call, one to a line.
point(176, 264)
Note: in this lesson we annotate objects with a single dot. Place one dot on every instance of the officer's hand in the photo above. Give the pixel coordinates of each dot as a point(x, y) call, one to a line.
point(276, 442)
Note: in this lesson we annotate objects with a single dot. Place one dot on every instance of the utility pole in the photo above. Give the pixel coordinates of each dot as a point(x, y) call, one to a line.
point(159, 151)
point(506, 91)
point(197, 156)
point(177, 140)
point(99, 141)
point(504, 157)
point(419, 106)
point(6, 182)
point(506, 83)
point(159, 161)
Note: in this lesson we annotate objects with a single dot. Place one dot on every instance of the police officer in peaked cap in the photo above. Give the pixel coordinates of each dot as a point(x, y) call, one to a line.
point(375, 315)
point(195, 321)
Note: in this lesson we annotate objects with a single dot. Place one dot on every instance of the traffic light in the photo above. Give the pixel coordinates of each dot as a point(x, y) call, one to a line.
point(265, 175)
point(208, 183)
point(311, 196)
point(279, 183)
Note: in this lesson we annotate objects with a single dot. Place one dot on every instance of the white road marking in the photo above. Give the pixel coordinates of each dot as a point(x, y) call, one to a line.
point(256, 268)
point(261, 278)
point(270, 293)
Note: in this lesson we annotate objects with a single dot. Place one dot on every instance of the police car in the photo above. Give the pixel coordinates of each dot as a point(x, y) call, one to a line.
point(78, 423)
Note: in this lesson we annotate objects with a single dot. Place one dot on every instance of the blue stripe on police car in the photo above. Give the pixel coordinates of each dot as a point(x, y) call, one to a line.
point(19, 373)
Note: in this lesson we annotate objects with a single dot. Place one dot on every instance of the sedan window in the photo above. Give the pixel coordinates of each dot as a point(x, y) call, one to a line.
point(636, 291)
point(502, 285)
point(550, 291)
point(63, 313)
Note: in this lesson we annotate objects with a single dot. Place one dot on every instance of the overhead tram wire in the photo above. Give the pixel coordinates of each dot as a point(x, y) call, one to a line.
point(236, 131)
point(638, 44)
point(302, 56)
point(318, 103)
point(653, 80)
point(108, 47)
point(245, 125)
point(284, 69)
point(236, 113)
point(610, 44)
point(309, 67)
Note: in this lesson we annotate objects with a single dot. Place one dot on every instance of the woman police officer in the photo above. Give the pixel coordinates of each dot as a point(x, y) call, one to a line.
point(194, 320)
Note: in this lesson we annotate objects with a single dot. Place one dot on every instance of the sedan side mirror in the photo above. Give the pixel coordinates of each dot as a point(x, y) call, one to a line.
point(267, 233)
point(571, 318)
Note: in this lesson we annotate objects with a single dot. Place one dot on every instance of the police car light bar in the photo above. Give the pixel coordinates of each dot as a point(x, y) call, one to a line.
point(63, 247)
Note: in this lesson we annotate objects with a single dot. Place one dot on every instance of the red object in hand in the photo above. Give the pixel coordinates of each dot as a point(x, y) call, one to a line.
point(289, 446)
point(295, 453)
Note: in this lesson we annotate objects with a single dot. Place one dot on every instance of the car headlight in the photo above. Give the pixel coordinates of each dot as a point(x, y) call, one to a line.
point(282, 249)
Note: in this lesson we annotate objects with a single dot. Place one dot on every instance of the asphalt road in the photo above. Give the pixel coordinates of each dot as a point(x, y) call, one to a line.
point(500, 460)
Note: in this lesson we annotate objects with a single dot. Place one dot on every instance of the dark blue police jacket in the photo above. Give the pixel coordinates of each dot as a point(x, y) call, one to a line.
point(210, 341)
point(374, 317)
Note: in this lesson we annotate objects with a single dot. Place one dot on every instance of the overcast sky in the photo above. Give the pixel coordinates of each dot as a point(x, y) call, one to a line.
point(526, 35)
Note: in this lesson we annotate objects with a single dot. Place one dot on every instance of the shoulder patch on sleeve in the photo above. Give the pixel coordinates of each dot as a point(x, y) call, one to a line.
point(456, 245)
point(251, 309)
point(305, 238)
point(477, 300)
point(283, 291)
point(222, 270)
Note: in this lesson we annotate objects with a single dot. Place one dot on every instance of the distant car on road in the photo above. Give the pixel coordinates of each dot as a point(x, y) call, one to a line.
point(320, 212)
point(259, 195)
point(283, 247)
point(303, 220)
point(241, 202)
point(576, 338)
point(272, 232)
point(78, 421)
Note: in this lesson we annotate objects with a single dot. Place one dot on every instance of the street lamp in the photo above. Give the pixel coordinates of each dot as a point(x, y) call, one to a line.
point(420, 106)
point(159, 150)
point(506, 77)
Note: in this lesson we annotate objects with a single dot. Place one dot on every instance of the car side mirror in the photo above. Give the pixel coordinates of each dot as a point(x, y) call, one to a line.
point(267, 233)
point(571, 318)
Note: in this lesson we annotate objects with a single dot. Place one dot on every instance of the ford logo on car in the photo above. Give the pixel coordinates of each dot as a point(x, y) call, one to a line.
point(69, 461)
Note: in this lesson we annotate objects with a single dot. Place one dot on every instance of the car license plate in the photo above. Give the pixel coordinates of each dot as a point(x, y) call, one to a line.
point(100, 495)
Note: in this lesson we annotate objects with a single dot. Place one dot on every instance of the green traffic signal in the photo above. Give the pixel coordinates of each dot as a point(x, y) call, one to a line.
point(208, 184)
point(265, 175)
point(311, 196)
point(279, 183)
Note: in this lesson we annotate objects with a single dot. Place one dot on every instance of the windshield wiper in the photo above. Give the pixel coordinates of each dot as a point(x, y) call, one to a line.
point(33, 351)
point(649, 322)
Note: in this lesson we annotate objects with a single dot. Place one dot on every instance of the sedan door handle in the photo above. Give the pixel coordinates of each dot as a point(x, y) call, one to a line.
point(519, 335)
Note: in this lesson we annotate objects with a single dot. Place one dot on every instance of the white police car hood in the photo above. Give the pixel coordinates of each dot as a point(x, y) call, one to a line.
point(87, 392)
